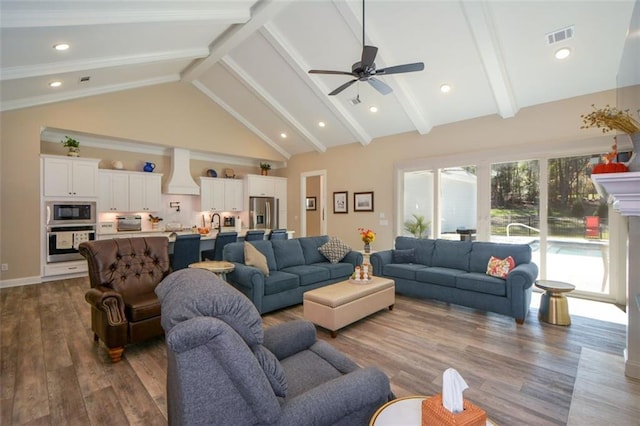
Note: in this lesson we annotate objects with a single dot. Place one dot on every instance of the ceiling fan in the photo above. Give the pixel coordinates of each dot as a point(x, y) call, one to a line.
point(365, 70)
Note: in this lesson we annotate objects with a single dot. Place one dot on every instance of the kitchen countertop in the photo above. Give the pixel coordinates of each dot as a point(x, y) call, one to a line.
point(161, 232)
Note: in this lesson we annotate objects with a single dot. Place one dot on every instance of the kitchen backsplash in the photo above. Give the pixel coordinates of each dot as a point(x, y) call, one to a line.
point(188, 216)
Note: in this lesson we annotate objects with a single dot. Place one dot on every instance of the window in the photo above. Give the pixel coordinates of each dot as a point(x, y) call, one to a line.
point(549, 203)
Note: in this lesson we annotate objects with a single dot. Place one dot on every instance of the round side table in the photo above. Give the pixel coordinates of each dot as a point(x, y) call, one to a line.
point(405, 411)
point(218, 267)
point(554, 308)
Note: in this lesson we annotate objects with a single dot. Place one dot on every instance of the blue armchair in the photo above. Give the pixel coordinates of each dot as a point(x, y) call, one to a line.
point(225, 369)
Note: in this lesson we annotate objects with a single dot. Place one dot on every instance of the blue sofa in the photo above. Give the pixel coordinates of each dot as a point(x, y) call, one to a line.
point(295, 266)
point(455, 272)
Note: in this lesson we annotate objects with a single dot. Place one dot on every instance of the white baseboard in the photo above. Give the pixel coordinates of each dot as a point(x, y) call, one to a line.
point(20, 281)
point(631, 368)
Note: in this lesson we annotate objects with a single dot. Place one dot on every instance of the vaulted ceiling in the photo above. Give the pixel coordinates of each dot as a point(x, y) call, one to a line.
point(252, 58)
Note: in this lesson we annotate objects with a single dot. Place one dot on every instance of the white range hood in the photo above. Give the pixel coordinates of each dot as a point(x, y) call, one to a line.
point(180, 180)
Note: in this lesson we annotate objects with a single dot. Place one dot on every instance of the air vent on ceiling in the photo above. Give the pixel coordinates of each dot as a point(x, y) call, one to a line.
point(561, 35)
point(85, 79)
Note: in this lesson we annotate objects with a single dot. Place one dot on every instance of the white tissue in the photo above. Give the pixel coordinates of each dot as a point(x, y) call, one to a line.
point(452, 387)
point(238, 224)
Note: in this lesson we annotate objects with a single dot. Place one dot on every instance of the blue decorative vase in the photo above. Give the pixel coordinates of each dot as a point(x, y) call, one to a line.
point(367, 248)
point(148, 167)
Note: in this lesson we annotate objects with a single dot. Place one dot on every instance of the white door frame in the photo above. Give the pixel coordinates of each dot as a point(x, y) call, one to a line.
point(303, 200)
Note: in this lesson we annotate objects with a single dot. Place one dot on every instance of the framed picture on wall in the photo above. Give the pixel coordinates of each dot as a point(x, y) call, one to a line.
point(341, 202)
point(363, 201)
point(311, 203)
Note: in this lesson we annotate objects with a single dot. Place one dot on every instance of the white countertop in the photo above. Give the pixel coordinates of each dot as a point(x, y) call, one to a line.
point(161, 232)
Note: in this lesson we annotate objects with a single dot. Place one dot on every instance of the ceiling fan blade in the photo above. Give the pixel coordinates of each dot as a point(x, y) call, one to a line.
point(380, 86)
point(329, 72)
point(368, 56)
point(344, 86)
point(418, 66)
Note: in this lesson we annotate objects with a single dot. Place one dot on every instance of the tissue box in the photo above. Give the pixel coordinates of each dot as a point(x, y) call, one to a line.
point(434, 414)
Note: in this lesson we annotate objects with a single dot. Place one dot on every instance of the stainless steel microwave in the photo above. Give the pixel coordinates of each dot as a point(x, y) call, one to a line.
point(70, 212)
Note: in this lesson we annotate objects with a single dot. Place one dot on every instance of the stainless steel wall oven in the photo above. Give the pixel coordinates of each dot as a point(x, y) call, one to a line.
point(68, 224)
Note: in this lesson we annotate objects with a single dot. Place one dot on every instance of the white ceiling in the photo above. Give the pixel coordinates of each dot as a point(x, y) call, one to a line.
point(252, 58)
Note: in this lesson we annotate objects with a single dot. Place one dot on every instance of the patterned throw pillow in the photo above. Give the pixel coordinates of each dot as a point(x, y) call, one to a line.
point(252, 257)
point(500, 267)
point(334, 250)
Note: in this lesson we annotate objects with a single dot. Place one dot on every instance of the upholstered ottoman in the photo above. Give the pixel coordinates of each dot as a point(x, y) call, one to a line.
point(337, 305)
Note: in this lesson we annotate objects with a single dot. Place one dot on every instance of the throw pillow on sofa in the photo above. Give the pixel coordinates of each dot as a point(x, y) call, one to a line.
point(252, 257)
point(334, 250)
point(404, 256)
point(500, 267)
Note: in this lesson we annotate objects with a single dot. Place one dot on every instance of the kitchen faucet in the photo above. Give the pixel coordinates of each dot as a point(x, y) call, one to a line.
point(219, 224)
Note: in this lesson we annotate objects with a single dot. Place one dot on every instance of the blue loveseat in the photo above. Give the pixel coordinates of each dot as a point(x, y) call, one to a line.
point(295, 266)
point(455, 272)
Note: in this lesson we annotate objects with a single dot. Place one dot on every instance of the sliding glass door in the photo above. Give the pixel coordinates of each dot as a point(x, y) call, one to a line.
point(577, 249)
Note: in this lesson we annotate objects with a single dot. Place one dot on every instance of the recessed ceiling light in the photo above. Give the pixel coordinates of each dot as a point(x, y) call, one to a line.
point(373, 109)
point(445, 88)
point(61, 46)
point(55, 84)
point(563, 53)
point(321, 124)
point(283, 135)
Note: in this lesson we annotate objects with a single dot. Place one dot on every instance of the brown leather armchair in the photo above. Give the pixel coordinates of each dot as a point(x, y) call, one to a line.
point(124, 274)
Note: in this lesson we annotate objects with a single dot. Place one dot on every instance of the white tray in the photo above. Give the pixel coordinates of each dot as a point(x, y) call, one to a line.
point(369, 281)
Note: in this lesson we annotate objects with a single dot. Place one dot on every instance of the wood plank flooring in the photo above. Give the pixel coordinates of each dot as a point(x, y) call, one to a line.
point(51, 372)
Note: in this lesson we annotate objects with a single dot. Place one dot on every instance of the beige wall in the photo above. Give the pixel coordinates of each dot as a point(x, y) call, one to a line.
point(173, 114)
point(313, 216)
point(356, 168)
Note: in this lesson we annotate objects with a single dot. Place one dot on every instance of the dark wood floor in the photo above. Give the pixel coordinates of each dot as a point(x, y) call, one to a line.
point(53, 374)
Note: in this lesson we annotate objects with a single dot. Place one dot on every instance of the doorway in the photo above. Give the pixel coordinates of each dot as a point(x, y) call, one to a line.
point(313, 201)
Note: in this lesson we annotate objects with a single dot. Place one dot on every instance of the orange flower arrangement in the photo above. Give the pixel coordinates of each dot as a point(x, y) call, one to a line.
point(367, 235)
point(609, 119)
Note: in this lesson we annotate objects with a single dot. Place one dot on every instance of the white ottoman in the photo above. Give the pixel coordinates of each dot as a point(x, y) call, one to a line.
point(343, 303)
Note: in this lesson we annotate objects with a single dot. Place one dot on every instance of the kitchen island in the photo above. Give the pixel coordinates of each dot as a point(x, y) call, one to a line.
point(206, 240)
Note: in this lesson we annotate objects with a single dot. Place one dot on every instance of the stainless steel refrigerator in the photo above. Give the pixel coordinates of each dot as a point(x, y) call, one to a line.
point(263, 213)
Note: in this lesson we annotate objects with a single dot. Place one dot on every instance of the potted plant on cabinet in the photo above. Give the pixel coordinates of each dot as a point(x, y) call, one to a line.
point(264, 168)
point(73, 145)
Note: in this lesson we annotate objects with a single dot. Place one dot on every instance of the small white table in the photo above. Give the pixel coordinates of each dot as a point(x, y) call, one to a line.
point(405, 411)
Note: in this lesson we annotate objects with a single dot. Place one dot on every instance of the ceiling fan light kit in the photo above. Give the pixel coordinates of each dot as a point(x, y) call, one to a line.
point(365, 69)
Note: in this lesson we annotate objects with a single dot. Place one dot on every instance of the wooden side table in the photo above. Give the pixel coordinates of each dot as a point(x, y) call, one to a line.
point(218, 267)
point(554, 308)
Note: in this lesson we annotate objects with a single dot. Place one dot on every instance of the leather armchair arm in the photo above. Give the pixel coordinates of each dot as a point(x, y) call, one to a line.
point(108, 301)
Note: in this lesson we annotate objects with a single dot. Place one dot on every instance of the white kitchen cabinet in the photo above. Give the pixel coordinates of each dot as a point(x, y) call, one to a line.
point(221, 195)
point(212, 194)
point(122, 191)
point(145, 192)
point(113, 195)
point(260, 186)
point(70, 177)
point(233, 195)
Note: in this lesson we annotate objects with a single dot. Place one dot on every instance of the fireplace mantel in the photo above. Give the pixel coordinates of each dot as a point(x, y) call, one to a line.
point(625, 190)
